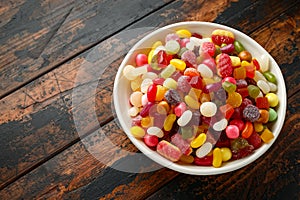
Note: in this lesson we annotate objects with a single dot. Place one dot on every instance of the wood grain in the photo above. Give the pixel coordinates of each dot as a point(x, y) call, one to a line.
point(38, 118)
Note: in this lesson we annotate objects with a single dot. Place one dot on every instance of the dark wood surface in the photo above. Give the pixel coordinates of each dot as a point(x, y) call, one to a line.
point(43, 47)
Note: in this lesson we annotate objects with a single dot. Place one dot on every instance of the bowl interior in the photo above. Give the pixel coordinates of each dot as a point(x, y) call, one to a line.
point(122, 92)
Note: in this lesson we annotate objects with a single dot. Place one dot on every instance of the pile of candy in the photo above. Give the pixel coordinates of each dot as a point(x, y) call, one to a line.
point(201, 100)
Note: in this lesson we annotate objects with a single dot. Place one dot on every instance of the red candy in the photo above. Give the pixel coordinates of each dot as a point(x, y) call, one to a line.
point(141, 59)
point(150, 140)
point(224, 65)
point(209, 47)
point(151, 93)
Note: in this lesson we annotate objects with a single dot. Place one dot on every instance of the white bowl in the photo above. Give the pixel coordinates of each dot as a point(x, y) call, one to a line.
point(122, 91)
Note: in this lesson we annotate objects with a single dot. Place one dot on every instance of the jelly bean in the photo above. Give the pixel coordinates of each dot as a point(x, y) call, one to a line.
point(151, 92)
point(208, 109)
point(265, 88)
point(168, 150)
point(220, 125)
point(150, 56)
point(156, 44)
point(238, 46)
point(272, 99)
point(191, 102)
point(198, 141)
point(258, 127)
point(259, 76)
point(145, 84)
point(230, 80)
point(217, 157)
point(170, 83)
point(264, 116)
point(245, 55)
point(232, 131)
point(256, 64)
point(146, 122)
point(185, 118)
point(262, 102)
point(172, 97)
point(187, 159)
point(234, 99)
point(145, 110)
point(133, 111)
point(160, 93)
point(212, 87)
point(228, 86)
point(273, 87)
point(183, 33)
point(267, 135)
point(149, 75)
point(137, 131)
point(155, 131)
point(168, 71)
point(140, 70)
point(204, 161)
point(227, 110)
point(248, 130)
point(165, 105)
point(227, 48)
point(197, 35)
point(136, 99)
point(161, 109)
point(251, 113)
point(253, 91)
point(204, 150)
point(178, 64)
point(172, 47)
point(128, 72)
point(226, 154)
point(219, 37)
point(141, 59)
point(270, 77)
point(158, 81)
point(239, 123)
point(169, 121)
point(239, 73)
point(150, 140)
point(272, 115)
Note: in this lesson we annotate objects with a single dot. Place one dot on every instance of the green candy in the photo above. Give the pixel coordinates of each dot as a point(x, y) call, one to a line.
point(270, 77)
point(172, 47)
point(272, 115)
point(186, 132)
point(238, 46)
point(253, 91)
point(229, 87)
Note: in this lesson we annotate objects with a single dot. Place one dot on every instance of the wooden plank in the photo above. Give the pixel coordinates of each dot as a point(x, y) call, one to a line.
point(38, 35)
point(26, 115)
point(275, 175)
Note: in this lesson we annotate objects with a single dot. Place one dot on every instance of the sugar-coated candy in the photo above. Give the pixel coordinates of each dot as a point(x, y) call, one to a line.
point(213, 87)
point(209, 48)
point(189, 58)
point(183, 84)
point(181, 143)
point(208, 109)
point(168, 150)
point(196, 82)
point(224, 65)
point(185, 118)
point(272, 99)
point(262, 103)
point(219, 37)
point(251, 113)
point(172, 97)
point(150, 140)
point(272, 115)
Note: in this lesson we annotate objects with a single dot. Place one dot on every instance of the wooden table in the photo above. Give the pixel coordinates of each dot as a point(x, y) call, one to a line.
point(43, 47)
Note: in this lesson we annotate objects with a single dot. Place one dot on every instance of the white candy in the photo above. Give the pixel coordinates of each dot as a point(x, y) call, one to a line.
point(264, 62)
point(140, 70)
point(264, 86)
point(208, 109)
point(204, 150)
point(273, 87)
point(136, 99)
point(159, 48)
point(145, 84)
point(185, 118)
point(220, 125)
point(133, 111)
point(128, 72)
point(155, 131)
point(205, 71)
point(150, 75)
point(259, 76)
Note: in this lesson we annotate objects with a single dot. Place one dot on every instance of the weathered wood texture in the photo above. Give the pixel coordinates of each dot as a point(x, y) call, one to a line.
point(36, 36)
point(37, 120)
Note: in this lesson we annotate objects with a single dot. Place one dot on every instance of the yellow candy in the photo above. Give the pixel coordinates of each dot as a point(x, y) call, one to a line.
point(191, 102)
point(160, 94)
point(234, 99)
point(179, 64)
point(204, 97)
point(195, 93)
point(217, 157)
point(239, 73)
point(258, 127)
point(137, 131)
point(266, 135)
point(226, 154)
point(235, 61)
point(207, 81)
point(136, 84)
point(187, 159)
point(183, 33)
point(245, 63)
point(272, 99)
point(146, 122)
point(198, 141)
point(156, 44)
point(169, 121)
point(165, 105)
point(150, 55)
